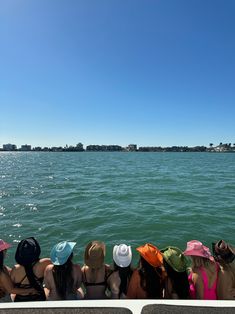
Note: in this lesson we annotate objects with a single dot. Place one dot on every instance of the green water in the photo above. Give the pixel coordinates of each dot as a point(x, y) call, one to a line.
point(162, 198)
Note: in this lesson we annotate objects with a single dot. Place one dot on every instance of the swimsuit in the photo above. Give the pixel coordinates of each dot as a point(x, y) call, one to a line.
point(209, 293)
point(40, 296)
point(93, 284)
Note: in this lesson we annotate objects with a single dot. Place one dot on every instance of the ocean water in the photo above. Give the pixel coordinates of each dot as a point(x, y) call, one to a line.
point(162, 198)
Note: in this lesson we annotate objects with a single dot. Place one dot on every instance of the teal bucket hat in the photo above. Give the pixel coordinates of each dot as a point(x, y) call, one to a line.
point(175, 258)
point(61, 252)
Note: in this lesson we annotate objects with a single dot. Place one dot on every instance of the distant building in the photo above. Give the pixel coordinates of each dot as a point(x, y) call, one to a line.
point(25, 148)
point(132, 147)
point(9, 147)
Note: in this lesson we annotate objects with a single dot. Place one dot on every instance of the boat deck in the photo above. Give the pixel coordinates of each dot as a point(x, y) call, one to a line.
point(120, 307)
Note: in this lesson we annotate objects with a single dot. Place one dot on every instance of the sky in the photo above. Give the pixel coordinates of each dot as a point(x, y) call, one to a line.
point(145, 72)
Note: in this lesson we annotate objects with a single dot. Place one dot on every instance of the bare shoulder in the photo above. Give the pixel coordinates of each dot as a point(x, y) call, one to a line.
point(17, 272)
point(45, 261)
point(8, 269)
point(16, 268)
point(84, 267)
point(196, 275)
point(49, 267)
point(48, 271)
point(114, 277)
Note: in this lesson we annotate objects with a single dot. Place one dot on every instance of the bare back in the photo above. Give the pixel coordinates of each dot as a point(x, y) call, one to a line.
point(95, 281)
point(50, 286)
point(18, 274)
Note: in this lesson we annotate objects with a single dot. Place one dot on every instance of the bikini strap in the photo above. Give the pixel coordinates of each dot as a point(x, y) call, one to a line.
point(22, 279)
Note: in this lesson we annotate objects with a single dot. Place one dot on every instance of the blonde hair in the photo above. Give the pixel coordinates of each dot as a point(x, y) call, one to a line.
point(198, 261)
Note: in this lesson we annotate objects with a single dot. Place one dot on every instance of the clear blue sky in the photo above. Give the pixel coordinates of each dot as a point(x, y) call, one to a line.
point(149, 72)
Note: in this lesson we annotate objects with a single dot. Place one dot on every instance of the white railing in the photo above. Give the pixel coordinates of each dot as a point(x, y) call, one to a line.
point(135, 306)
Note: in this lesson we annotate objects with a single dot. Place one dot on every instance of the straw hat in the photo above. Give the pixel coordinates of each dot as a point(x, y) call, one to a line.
point(196, 248)
point(94, 254)
point(223, 251)
point(122, 255)
point(4, 245)
point(151, 254)
point(175, 258)
point(61, 252)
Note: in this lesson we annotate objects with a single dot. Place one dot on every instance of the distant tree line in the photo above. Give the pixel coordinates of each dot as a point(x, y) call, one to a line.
point(222, 147)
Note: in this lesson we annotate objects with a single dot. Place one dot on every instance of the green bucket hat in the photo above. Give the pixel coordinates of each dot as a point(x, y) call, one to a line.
point(175, 258)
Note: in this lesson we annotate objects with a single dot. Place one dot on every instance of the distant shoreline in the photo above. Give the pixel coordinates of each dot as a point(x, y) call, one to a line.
point(221, 148)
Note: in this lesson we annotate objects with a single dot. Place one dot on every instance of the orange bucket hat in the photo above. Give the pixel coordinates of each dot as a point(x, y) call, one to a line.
point(151, 254)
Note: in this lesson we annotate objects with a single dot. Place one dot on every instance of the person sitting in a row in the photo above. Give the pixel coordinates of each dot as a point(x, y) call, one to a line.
point(63, 278)
point(29, 271)
point(225, 255)
point(204, 274)
point(95, 272)
point(160, 274)
point(176, 264)
point(6, 285)
point(119, 279)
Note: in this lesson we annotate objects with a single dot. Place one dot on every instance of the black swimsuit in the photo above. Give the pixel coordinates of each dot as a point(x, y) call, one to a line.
point(102, 283)
point(40, 296)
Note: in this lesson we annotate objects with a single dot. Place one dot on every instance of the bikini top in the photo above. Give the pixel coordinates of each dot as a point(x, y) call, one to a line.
point(101, 283)
point(209, 293)
point(27, 285)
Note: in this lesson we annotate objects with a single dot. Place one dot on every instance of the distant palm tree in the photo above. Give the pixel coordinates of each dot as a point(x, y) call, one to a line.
point(211, 144)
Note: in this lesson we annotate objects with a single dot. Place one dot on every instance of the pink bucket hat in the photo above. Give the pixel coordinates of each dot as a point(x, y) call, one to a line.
point(4, 245)
point(196, 248)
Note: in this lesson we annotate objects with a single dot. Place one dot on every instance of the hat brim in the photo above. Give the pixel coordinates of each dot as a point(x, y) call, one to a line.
point(193, 253)
point(125, 262)
point(156, 263)
point(5, 246)
point(166, 257)
point(61, 260)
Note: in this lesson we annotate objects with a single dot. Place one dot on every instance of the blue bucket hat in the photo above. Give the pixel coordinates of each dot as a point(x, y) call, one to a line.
point(61, 252)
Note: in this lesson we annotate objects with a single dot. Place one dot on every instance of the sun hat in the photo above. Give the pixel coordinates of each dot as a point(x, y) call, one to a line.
point(175, 258)
point(28, 251)
point(94, 254)
point(196, 248)
point(151, 254)
point(4, 245)
point(61, 252)
point(223, 251)
point(122, 255)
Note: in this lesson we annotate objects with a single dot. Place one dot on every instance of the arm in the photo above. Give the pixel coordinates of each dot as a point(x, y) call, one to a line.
point(77, 273)
point(132, 288)
point(224, 285)
point(9, 286)
point(198, 282)
point(114, 282)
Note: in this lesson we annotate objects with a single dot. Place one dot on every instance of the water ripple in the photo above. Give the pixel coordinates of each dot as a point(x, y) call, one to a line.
point(163, 198)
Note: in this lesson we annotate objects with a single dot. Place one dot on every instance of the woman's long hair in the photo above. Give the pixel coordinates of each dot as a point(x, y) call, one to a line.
point(63, 278)
point(1, 261)
point(150, 279)
point(198, 262)
point(179, 281)
point(33, 280)
point(125, 275)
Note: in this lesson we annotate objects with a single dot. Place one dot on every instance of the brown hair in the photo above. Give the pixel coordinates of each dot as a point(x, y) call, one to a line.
point(198, 261)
